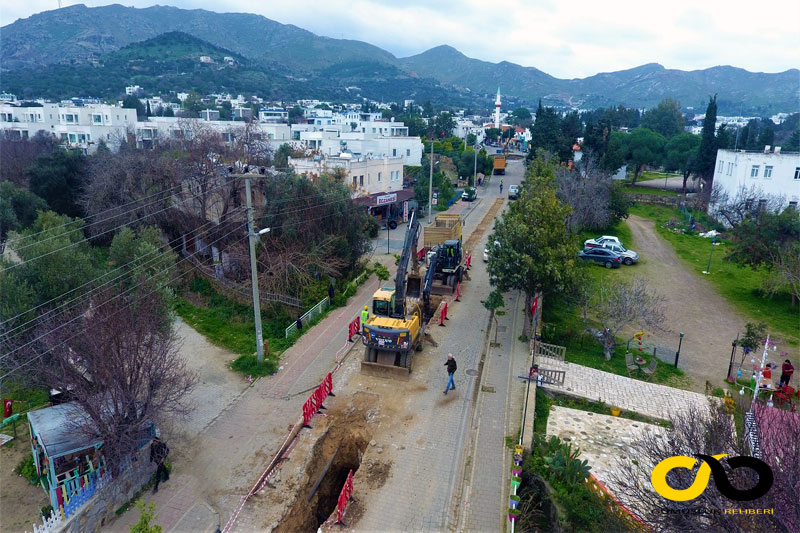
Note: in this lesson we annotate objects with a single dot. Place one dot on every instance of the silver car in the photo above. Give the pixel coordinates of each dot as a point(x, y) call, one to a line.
point(629, 257)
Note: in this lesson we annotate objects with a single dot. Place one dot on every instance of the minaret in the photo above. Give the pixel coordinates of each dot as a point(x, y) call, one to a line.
point(497, 110)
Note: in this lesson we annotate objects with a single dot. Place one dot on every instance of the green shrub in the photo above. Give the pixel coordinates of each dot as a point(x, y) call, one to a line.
point(27, 469)
point(248, 365)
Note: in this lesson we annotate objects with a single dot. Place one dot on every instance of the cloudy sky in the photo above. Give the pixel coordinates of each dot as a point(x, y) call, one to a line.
point(563, 38)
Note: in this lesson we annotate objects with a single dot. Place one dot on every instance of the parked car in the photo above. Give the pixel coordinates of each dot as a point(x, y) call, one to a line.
point(469, 194)
point(600, 241)
point(513, 192)
point(601, 256)
point(629, 257)
point(486, 251)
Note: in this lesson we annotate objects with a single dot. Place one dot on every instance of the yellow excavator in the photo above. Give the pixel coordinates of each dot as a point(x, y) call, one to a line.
point(396, 327)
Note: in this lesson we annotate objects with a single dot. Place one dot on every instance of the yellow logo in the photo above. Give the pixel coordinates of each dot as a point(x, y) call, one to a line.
point(659, 477)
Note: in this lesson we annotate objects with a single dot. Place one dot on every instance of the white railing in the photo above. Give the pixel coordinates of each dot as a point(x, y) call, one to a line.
point(309, 315)
point(49, 524)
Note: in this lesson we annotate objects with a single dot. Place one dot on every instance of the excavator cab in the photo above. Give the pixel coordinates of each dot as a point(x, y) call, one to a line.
point(383, 301)
point(449, 255)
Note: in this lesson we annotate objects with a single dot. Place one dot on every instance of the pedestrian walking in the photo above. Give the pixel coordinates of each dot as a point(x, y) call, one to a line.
point(451, 370)
point(158, 453)
point(501, 186)
point(786, 373)
point(330, 292)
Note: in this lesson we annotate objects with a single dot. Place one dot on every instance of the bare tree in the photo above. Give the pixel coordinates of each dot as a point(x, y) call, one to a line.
point(133, 186)
point(587, 189)
point(18, 154)
point(747, 201)
point(710, 431)
point(119, 361)
point(619, 305)
point(779, 439)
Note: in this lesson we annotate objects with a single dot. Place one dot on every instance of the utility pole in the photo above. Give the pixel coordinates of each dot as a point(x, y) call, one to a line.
point(251, 234)
point(430, 186)
point(475, 169)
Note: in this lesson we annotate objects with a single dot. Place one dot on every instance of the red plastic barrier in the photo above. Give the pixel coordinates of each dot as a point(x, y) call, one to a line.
point(443, 315)
point(421, 255)
point(468, 262)
point(354, 328)
point(344, 497)
point(458, 291)
point(314, 402)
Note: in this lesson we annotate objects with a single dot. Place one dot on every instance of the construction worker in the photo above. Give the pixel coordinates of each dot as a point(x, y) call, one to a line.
point(365, 315)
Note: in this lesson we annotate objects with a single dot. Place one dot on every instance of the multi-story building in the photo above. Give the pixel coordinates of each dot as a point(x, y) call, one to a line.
point(768, 173)
point(149, 132)
point(366, 175)
point(80, 127)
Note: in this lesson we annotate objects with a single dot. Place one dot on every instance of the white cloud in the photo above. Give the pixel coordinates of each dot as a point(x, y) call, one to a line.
point(564, 39)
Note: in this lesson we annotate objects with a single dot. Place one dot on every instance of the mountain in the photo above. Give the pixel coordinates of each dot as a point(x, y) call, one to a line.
point(77, 32)
point(279, 59)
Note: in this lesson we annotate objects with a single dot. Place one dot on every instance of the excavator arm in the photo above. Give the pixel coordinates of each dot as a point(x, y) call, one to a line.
point(412, 233)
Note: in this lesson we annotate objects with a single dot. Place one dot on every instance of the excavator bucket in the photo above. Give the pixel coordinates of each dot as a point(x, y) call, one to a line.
point(387, 371)
point(414, 287)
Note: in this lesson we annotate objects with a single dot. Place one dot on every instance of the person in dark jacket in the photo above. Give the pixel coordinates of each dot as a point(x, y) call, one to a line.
point(330, 292)
point(158, 453)
point(786, 372)
point(451, 370)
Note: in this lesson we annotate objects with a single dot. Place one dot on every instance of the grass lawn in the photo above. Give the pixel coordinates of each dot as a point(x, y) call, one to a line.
point(563, 325)
point(739, 285)
point(649, 190)
point(232, 326)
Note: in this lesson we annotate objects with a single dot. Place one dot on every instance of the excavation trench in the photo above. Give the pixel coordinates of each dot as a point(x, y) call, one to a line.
point(337, 451)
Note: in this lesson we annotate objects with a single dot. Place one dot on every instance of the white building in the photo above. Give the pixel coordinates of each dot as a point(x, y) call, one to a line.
point(274, 115)
point(150, 132)
point(367, 176)
point(773, 172)
point(75, 126)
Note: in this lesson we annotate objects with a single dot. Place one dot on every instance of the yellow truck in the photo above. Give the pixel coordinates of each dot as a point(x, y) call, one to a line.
point(499, 164)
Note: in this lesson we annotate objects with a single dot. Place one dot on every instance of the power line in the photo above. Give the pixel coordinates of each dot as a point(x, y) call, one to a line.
point(146, 263)
point(127, 291)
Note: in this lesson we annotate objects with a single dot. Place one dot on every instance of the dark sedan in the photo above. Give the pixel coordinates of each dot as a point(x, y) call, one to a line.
point(601, 256)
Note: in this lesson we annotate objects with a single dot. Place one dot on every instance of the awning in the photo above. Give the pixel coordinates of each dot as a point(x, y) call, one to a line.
point(385, 198)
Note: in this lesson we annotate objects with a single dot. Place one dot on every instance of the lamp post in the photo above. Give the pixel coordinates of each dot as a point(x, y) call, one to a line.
point(430, 185)
point(253, 237)
point(708, 268)
point(733, 354)
point(678, 353)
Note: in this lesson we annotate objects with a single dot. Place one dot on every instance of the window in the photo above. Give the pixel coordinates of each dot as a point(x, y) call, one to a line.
point(762, 204)
point(373, 130)
point(754, 171)
point(408, 151)
point(720, 166)
point(97, 119)
point(361, 180)
point(394, 152)
point(767, 171)
point(797, 173)
point(729, 167)
point(792, 205)
point(379, 177)
point(355, 181)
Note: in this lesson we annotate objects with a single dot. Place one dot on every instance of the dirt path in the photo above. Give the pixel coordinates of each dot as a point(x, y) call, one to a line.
point(692, 306)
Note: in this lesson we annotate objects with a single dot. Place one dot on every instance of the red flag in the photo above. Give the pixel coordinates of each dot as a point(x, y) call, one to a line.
point(7, 409)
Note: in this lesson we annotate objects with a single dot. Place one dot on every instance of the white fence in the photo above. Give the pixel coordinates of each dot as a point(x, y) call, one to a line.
point(309, 315)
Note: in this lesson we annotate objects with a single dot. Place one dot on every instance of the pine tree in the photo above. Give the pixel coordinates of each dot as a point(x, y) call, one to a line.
point(147, 112)
point(707, 153)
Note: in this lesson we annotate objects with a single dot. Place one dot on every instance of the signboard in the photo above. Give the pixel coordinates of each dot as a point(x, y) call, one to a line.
point(435, 199)
point(386, 199)
point(405, 211)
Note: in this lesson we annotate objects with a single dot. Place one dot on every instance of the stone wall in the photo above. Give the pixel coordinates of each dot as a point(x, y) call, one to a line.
point(100, 510)
point(656, 199)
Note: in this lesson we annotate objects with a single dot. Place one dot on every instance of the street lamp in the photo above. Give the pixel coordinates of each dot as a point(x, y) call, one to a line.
point(430, 185)
point(713, 242)
point(253, 237)
point(678, 353)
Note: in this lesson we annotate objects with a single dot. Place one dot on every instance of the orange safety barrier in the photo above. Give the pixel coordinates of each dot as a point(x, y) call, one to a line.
point(354, 328)
point(443, 315)
point(468, 262)
point(344, 497)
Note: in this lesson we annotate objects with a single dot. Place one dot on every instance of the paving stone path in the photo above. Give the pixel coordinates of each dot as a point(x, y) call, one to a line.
point(650, 399)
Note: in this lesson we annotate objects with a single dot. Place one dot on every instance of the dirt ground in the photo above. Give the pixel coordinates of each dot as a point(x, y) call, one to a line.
point(692, 306)
point(20, 501)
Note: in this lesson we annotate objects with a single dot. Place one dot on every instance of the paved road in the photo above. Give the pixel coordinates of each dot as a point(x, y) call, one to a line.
point(672, 184)
point(449, 469)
